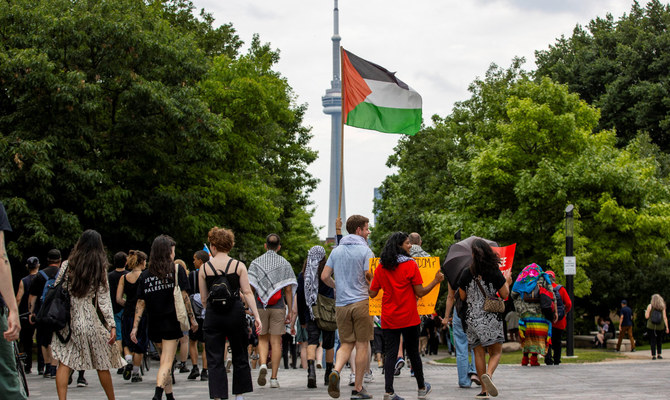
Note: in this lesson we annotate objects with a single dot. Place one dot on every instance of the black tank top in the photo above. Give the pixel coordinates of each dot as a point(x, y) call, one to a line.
point(130, 290)
point(231, 275)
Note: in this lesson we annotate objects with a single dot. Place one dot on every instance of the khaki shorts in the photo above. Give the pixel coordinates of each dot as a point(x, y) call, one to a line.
point(272, 320)
point(354, 322)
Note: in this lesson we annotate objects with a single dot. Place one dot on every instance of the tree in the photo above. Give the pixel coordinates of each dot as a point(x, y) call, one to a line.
point(105, 123)
point(510, 159)
point(620, 67)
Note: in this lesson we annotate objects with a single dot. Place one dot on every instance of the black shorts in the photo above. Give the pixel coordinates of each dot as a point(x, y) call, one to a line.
point(44, 336)
point(314, 333)
point(197, 336)
point(378, 341)
point(164, 327)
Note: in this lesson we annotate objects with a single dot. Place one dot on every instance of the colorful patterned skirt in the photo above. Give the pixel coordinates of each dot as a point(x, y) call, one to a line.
point(535, 333)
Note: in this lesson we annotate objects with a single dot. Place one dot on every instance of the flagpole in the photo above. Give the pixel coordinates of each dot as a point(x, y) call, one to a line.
point(339, 199)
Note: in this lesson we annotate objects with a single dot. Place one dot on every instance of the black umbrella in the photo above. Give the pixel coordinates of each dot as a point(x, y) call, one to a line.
point(459, 257)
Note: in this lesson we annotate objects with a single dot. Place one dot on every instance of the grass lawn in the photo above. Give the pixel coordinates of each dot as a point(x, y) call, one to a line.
point(583, 356)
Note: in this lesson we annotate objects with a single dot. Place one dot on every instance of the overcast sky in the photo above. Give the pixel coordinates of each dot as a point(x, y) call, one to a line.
point(438, 47)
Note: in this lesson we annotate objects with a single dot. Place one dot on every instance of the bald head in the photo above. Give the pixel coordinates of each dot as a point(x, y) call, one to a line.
point(415, 238)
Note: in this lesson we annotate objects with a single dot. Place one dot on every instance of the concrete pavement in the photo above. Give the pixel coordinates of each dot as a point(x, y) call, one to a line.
point(622, 379)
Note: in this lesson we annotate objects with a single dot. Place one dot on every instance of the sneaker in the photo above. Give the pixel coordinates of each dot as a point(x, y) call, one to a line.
point(136, 377)
point(352, 379)
point(334, 384)
point(659, 357)
point(81, 382)
point(653, 357)
point(204, 375)
point(194, 373)
point(127, 371)
point(482, 395)
point(393, 396)
point(183, 368)
point(475, 379)
point(398, 366)
point(424, 392)
point(120, 370)
point(490, 386)
point(368, 378)
point(262, 375)
point(274, 383)
point(318, 365)
point(362, 394)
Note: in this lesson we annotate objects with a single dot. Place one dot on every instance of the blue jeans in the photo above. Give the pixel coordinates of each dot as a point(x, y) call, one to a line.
point(464, 366)
point(118, 321)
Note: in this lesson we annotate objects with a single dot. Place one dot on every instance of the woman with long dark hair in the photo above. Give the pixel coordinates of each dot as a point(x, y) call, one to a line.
point(126, 296)
point(91, 344)
point(156, 293)
point(398, 275)
point(226, 320)
point(484, 329)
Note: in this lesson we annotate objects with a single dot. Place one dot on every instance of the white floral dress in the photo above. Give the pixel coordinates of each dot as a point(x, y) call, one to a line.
point(88, 347)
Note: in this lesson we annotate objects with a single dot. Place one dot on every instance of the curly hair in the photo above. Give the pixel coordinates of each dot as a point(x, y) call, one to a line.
point(484, 259)
point(221, 239)
point(391, 250)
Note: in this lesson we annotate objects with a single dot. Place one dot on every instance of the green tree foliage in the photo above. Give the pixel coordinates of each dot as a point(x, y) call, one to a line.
point(107, 122)
point(505, 164)
point(622, 68)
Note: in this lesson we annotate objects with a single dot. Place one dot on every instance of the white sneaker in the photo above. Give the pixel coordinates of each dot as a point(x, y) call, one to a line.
point(274, 383)
point(368, 378)
point(352, 379)
point(262, 373)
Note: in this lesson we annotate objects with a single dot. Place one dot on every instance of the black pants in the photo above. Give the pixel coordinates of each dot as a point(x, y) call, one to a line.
point(233, 326)
point(410, 337)
point(656, 340)
point(288, 345)
point(26, 340)
point(555, 348)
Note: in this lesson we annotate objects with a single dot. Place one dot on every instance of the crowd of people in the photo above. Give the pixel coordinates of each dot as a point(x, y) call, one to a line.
point(236, 316)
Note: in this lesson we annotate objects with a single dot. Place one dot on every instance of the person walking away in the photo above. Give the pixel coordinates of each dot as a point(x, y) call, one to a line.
point(271, 276)
point(10, 387)
point(45, 278)
point(485, 329)
point(91, 340)
point(398, 275)
point(28, 329)
point(184, 346)
point(534, 327)
point(114, 276)
point(195, 338)
point(126, 295)
point(156, 293)
point(465, 358)
point(657, 324)
point(310, 287)
point(625, 325)
point(221, 281)
point(553, 356)
point(350, 260)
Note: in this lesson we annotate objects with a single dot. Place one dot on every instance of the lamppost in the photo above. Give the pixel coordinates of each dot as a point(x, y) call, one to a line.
point(569, 270)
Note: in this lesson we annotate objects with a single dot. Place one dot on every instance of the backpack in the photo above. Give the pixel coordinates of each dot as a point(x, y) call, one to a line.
point(656, 316)
point(547, 303)
point(221, 294)
point(560, 306)
point(54, 314)
point(50, 283)
point(274, 299)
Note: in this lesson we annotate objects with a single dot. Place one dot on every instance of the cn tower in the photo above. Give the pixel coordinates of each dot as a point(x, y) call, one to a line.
point(332, 105)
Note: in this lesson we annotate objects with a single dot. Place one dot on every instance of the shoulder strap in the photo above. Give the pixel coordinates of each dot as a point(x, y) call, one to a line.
point(209, 264)
point(480, 287)
point(236, 265)
point(228, 266)
point(44, 275)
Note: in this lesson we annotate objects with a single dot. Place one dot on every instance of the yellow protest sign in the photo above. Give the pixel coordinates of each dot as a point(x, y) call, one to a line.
point(428, 266)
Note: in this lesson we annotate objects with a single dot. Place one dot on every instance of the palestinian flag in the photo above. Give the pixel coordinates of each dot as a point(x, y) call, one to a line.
point(375, 99)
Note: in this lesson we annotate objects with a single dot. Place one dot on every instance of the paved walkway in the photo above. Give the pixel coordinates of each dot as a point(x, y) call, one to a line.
point(621, 379)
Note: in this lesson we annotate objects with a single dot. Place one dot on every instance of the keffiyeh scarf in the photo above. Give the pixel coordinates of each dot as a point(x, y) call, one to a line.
point(353, 240)
point(314, 257)
point(270, 273)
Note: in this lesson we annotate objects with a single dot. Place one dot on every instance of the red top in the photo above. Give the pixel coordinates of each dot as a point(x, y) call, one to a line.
point(567, 303)
point(398, 302)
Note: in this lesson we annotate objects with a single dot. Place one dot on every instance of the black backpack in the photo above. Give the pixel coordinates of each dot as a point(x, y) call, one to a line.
point(560, 306)
point(221, 294)
point(656, 316)
point(54, 314)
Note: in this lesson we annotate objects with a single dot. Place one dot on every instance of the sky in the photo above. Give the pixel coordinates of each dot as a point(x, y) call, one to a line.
point(438, 47)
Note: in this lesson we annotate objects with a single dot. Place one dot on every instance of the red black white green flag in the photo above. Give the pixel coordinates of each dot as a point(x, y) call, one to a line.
point(375, 99)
